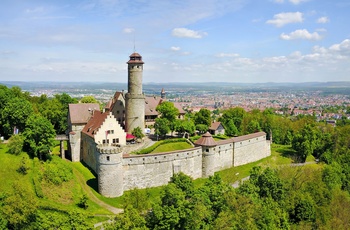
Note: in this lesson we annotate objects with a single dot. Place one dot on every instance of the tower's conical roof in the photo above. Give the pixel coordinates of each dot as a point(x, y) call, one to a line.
point(135, 58)
point(206, 140)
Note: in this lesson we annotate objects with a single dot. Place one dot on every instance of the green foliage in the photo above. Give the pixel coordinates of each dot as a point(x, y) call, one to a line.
point(57, 171)
point(168, 111)
point(24, 165)
point(183, 182)
point(235, 114)
point(231, 129)
point(138, 199)
point(15, 144)
point(253, 126)
point(19, 208)
point(129, 220)
point(185, 126)
point(161, 126)
point(137, 132)
point(15, 115)
point(332, 176)
point(202, 128)
point(305, 142)
point(88, 99)
point(203, 117)
point(39, 136)
point(83, 202)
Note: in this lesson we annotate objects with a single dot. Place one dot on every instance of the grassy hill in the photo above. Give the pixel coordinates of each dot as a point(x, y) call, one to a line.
point(57, 187)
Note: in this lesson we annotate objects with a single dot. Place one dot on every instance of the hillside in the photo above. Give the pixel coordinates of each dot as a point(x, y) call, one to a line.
point(52, 189)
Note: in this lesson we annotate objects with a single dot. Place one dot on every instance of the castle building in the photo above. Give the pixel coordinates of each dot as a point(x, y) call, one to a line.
point(99, 139)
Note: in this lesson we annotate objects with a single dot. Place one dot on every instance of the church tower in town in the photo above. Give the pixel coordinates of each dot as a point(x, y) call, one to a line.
point(135, 99)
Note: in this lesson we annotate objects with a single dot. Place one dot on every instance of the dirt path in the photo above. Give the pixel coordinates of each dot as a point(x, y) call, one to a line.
point(92, 196)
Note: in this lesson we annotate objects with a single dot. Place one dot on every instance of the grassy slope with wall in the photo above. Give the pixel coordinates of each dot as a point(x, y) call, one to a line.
point(66, 196)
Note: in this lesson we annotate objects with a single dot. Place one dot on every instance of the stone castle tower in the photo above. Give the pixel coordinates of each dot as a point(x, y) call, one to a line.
point(135, 99)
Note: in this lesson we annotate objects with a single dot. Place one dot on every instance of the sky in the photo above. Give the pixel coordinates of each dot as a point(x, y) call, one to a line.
point(243, 41)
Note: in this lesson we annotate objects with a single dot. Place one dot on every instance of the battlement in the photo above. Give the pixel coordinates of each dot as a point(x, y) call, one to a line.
point(109, 149)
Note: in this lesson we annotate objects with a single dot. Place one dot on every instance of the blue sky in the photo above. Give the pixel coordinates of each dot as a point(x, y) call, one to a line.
point(244, 41)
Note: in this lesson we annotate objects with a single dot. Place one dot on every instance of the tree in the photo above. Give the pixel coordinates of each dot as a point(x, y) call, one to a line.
point(231, 129)
point(39, 136)
point(235, 114)
point(161, 126)
point(183, 126)
point(129, 220)
point(88, 99)
point(168, 111)
point(203, 116)
point(202, 128)
point(15, 144)
point(15, 115)
point(305, 142)
point(253, 126)
point(53, 111)
point(137, 132)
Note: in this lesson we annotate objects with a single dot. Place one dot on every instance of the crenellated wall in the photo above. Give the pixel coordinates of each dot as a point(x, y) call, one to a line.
point(143, 171)
point(119, 173)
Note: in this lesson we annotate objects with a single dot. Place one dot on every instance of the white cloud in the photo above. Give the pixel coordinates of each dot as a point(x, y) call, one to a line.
point(187, 33)
point(128, 30)
point(282, 19)
point(323, 20)
point(296, 2)
point(227, 55)
point(175, 48)
point(301, 34)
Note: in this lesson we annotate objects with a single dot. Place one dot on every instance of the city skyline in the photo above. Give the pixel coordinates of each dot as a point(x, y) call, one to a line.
point(180, 41)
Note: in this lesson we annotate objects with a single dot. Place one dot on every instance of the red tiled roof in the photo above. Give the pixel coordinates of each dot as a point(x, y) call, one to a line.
point(94, 123)
point(151, 104)
point(81, 113)
point(206, 140)
point(215, 125)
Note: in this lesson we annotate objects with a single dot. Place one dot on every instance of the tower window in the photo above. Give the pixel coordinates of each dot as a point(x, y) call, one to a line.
point(108, 158)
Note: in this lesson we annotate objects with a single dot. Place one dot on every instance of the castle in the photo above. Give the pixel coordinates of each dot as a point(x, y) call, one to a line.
point(99, 139)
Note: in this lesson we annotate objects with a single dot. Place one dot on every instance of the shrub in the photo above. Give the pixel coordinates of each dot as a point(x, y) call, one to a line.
point(57, 172)
point(15, 144)
point(23, 167)
point(83, 202)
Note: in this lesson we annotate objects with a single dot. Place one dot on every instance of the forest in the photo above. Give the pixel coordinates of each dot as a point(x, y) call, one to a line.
point(314, 195)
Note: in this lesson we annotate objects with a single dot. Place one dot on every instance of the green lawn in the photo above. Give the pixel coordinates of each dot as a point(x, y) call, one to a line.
point(172, 147)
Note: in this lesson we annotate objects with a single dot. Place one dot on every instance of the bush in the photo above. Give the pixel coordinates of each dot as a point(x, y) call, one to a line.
point(57, 172)
point(15, 144)
point(83, 202)
point(23, 167)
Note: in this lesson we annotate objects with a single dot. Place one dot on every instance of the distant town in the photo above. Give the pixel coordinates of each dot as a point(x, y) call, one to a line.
point(326, 100)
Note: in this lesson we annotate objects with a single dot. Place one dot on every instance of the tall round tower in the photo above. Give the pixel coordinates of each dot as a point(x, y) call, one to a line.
point(135, 99)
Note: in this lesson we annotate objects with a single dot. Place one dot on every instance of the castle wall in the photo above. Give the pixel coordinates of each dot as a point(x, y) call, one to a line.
point(117, 174)
point(223, 156)
point(143, 171)
point(251, 150)
point(89, 153)
point(75, 142)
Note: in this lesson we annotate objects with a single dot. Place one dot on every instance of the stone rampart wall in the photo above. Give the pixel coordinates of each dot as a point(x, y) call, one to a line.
point(153, 170)
point(251, 150)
